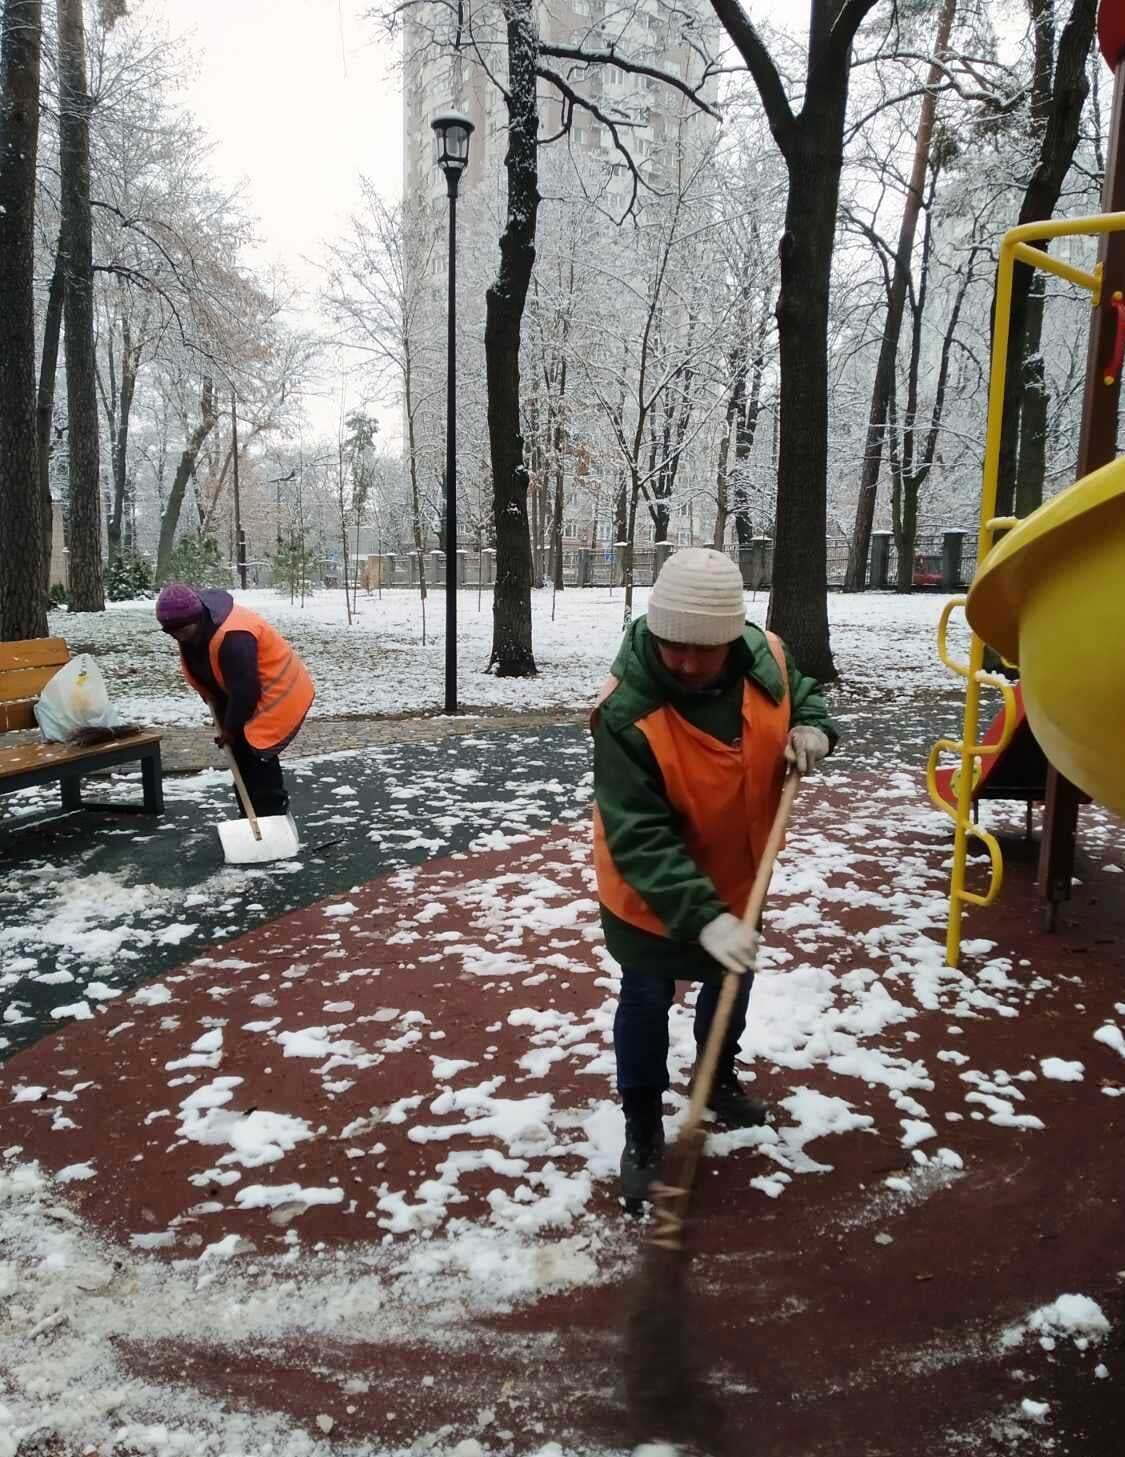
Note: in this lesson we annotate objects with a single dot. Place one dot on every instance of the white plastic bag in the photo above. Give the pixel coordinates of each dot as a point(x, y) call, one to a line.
point(75, 698)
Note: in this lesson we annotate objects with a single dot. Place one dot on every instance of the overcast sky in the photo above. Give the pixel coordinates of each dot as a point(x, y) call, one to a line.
point(299, 98)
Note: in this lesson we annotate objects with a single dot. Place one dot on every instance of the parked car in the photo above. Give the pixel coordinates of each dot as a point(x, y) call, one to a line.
point(927, 570)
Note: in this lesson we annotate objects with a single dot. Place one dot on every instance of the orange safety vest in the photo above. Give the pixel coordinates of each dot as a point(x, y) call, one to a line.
point(287, 689)
point(726, 796)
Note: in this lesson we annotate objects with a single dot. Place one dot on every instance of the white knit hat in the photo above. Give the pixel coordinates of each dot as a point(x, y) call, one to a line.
point(697, 598)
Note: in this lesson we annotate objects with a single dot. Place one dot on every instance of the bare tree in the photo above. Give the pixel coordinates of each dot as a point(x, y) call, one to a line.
point(856, 578)
point(529, 61)
point(914, 448)
point(378, 296)
point(812, 142)
point(208, 418)
point(23, 597)
point(1060, 85)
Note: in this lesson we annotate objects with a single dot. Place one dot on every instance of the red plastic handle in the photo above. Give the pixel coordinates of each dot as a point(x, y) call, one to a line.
point(1113, 370)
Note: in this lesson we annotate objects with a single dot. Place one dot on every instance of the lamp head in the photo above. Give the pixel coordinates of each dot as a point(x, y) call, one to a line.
point(452, 130)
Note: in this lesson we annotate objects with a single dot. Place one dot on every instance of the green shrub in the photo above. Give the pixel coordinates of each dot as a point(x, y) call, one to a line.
point(56, 597)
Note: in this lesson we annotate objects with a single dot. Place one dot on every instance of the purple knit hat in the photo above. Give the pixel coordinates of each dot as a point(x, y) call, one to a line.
point(177, 605)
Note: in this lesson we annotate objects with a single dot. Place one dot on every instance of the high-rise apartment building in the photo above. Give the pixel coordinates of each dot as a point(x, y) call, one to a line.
point(650, 32)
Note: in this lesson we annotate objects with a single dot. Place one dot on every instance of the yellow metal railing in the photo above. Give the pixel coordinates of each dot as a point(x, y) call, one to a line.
point(1014, 248)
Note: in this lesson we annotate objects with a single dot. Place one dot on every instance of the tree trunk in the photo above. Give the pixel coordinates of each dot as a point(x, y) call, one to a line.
point(906, 535)
point(812, 143)
point(23, 597)
point(798, 610)
point(45, 405)
point(1031, 465)
point(722, 477)
point(557, 529)
point(512, 654)
point(208, 418)
point(130, 362)
point(856, 578)
point(746, 430)
point(628, 551)
point(1057, 113)
point(86, 589)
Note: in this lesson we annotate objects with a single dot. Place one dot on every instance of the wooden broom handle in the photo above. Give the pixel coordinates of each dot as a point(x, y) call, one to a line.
point(705, 1072)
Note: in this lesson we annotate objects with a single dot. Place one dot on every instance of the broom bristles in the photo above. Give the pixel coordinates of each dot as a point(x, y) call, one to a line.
point(664, 1390)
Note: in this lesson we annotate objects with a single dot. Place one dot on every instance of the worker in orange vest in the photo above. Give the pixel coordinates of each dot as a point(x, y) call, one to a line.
point(697, 722)
point(246, 671)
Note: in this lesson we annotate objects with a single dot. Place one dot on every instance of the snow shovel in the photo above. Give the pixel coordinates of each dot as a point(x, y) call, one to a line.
point(254, 841)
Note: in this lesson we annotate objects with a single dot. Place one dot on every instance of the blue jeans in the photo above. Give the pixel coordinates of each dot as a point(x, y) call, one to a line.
point(640, 1026)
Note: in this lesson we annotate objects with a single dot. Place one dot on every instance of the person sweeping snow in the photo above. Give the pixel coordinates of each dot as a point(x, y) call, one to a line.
point(257, 687)
point(696, 725)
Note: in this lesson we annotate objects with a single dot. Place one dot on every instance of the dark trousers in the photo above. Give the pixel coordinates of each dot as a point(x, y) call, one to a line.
point(640, 1026)
point(265, 783)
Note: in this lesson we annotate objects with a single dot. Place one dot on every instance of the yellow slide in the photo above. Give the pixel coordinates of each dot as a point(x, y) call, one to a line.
point(1050, 596)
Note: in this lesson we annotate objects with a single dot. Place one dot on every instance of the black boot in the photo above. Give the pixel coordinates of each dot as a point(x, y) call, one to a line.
point(644, 1142)
point(731, 1105)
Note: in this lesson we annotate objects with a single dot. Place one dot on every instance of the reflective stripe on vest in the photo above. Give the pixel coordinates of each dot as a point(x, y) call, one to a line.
point(286, 688)
point(725, 795)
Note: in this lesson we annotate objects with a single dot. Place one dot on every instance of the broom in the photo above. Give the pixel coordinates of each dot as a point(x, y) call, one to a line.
point(666, 1399)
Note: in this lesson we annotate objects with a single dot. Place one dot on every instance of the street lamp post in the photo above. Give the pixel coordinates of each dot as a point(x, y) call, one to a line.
point(452, 130)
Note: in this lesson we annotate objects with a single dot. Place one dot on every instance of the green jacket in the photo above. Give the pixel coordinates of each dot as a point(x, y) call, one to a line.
point(641, 829)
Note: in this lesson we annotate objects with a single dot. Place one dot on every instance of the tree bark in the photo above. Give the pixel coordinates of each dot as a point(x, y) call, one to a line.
point(512, 654)
point(856, 578)
point(86, 586)
point(23, 596)
point(208, 419)
point(45, 405)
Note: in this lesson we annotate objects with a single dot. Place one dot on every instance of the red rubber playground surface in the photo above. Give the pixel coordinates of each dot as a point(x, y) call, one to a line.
point(310, 1165)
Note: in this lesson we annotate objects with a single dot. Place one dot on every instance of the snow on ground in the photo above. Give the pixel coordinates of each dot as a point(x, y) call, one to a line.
point(71, 1299)
point(828, 1000)
point(830, 1004)
point(87, 916)
point(883, 642)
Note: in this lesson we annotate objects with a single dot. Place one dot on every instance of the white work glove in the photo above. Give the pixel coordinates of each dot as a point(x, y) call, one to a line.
point(733, 944)
point(806, 748)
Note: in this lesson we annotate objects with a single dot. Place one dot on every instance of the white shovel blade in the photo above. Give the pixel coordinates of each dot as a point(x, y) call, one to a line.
point(279, 840)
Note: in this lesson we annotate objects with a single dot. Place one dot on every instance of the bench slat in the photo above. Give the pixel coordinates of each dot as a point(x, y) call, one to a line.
point(33, 652)
point(20, 715)
point(25, 682)
point(22, 757)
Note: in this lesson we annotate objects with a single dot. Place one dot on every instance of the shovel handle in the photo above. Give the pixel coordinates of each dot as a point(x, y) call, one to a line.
point(239, 782)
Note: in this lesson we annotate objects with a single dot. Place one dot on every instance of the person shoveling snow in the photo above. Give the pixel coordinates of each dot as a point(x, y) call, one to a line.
point(259, 692)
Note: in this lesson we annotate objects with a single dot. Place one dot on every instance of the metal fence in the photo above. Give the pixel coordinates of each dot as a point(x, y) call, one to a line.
point(942, 560)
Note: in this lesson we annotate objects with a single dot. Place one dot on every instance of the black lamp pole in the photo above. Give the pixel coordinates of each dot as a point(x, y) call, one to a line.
point(451, 150)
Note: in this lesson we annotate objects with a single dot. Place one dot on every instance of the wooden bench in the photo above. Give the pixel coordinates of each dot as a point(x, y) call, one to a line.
point(25, 667)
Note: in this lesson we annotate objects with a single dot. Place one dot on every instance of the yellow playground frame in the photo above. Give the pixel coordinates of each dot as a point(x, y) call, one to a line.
point(1016, 247)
